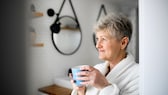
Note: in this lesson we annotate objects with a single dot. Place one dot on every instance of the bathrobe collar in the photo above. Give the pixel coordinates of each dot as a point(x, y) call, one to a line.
point(120, 67)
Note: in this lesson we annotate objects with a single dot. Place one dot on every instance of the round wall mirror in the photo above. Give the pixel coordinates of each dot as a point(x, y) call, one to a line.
point(68, 40)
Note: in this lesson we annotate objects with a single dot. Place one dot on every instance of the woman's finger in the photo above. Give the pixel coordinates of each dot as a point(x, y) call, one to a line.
point(70, 75)
point(83, 78)
point(72, 81)
point(85, 83)
point(86, 68)
point(83, 73)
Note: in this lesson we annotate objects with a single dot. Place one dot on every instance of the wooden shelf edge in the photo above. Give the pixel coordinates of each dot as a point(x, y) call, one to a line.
point(55, 90)
point(38, 45)
point(37, 14)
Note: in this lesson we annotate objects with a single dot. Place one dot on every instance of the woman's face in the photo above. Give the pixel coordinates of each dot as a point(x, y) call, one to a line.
point(107, 45)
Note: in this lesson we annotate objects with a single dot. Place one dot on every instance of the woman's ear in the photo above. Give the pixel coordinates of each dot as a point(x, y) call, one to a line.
point(124, 42)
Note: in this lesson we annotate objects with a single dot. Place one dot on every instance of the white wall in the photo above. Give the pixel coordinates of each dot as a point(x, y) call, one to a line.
point(153, 47)
point(45, 63)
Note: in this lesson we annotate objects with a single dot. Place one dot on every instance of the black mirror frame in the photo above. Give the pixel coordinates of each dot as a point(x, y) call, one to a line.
point(56, 29)
point(52, 38)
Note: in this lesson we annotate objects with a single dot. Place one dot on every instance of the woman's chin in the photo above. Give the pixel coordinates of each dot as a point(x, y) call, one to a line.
point(101, 57)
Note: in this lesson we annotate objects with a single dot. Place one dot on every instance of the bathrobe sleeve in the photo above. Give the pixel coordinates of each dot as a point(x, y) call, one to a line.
point(110, 90)
point(130, 89)
point(74, 92)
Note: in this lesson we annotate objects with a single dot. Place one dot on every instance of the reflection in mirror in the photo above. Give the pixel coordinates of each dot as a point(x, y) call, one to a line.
point(68, 40)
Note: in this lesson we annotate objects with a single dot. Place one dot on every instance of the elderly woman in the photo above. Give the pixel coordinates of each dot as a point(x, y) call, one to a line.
point(118, 75)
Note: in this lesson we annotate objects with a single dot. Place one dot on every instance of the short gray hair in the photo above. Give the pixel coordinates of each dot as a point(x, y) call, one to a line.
point(117, 24)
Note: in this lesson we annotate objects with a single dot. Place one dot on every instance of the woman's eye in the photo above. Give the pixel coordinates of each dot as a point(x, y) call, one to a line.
point(103, 39)
point(100, 39)
point(97, 39)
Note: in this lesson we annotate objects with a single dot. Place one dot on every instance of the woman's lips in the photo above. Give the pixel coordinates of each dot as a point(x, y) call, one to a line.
point(101, 50)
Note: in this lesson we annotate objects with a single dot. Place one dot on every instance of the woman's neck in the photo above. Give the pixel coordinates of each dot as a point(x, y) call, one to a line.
point(113, 63)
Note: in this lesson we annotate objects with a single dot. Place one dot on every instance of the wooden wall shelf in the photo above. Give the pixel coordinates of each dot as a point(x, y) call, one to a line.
point(55, 90)
point(70, 28)
point(37, 14)
point(33, 36)
point(38, 45)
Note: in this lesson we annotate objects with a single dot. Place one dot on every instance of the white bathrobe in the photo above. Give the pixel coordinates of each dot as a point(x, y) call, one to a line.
point(124, 78)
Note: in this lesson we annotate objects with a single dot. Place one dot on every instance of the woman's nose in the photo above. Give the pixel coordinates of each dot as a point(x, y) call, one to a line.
point(98, 44)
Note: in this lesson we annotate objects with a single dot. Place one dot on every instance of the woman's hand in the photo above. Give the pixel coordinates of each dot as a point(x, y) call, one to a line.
point(92, 76)
point(80, 89)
